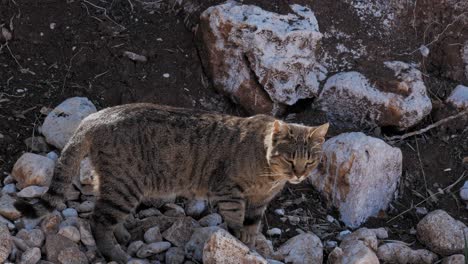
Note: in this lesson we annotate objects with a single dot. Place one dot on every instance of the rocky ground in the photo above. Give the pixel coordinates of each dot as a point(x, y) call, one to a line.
point(377, 71)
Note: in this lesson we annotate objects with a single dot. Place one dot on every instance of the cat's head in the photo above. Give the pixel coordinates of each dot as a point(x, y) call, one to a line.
point(293, 151)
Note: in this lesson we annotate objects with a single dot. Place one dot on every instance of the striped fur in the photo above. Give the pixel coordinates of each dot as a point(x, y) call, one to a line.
point(145, 150)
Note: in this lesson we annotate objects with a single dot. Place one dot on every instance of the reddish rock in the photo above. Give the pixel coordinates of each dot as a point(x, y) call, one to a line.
point(33, 169)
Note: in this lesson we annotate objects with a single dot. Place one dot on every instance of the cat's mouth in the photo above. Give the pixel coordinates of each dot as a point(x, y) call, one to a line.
point(297, 180)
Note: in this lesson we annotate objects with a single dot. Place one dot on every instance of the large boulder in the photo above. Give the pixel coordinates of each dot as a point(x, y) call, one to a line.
point(223, 248)
point(32, 169)
point(351, 99)
point(441, 233)
point(303, 248)
point(61, 122)
point(262, 59)
point(358, 175)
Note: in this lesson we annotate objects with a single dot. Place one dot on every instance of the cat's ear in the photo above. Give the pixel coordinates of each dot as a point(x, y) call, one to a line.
point(319, 133)
point(280, 128)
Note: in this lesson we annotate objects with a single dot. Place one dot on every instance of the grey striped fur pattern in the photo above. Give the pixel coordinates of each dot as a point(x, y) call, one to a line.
point(148, 151)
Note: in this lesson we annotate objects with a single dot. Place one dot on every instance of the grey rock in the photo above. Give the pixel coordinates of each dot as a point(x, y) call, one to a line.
point(32, 169)
point(60, 124)
point(174, 210)
point(55, 244)
point(72, 255)
point(8, 223)
point(274, 232)
point(459, 97)
point(454, 259)
point(441, 233)
point(33, 238)
point(175, 255)
point(32, 191)
point(180, 232)
point(211, 220)
point(85, 207)
point(50, 223)
point(152, 235)
point(195, 208)
point(71, 233)
point(9, 188)
point(7, 209)
point(149, 212)
point(134, 247)
point(303, 248)
point(153, 249)
point(86, 235)
point(6, 244)
point(400, 253)
point(52, 155)
point(36, 144)
point(194, 247)
point(31, 256)
point(138, 261)
point(69, 212)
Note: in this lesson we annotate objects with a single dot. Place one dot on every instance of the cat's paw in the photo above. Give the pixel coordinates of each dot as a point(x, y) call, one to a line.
point(246, 236)
point(122, 235)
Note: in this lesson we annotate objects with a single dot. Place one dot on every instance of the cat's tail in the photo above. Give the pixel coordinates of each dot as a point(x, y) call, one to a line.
point(65, 170)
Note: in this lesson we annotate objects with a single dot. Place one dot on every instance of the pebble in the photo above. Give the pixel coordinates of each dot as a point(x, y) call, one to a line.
point(464, 191)
point(134, 247)
point(85, 207)
point(175, 255)
point(32, 191)
point(52, 155)
point(153, 249)
point(195, 208)
point(71, 233)
point(69, 212)
point(9, 188)
point(211, 220)
point(279, 212)
point(343, 234)
point(330, 219)
point(31, 256)
point(153, 235)
point(274, 232)
point(33, 238)
point(421, 210)
point(166, 75)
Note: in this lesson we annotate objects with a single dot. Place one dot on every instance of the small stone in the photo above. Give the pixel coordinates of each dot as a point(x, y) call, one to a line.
point(175, 255)
point(211, 220)
point(20, 244)
point(7, 209)
point(153, 249)
point(153, 235)
point(31, 256)
point(33, 169)
point(62, 122)
point(454, 259)
point(356, 253)
point(180, 232)
point(279, 212)
point(464, 191)
point(36, 144)
point(441, 233)
point(135, 57)
point(8, 179)
point(33, 238)
point(134, 247)
point(194, 247)
point(174, 210)
point(343, 234)
point(421, 210)
point(330, 219)
point(303, 248)
point(50, 223)
point(138, 261)
point(8, 223)
point(330, 244)
point(32, 191)
point(149, 212)
point(166, 75)
point(71, 233)
point(459, 97)
point(55, 244)
point(72, 255)
point(223, 248)
point(274, 232)
point(86, 236)
point(6, 244)
point(52, 155)
point(293, 220)
point(400, 253)
point(85, 207)
point(9, 188)
point(69, 212)
point(195, 208)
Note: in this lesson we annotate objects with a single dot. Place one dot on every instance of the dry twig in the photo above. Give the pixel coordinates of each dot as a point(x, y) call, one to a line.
point(424, 130)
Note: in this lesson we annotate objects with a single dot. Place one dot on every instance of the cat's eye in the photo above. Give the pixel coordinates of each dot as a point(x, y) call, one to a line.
point(311, 163)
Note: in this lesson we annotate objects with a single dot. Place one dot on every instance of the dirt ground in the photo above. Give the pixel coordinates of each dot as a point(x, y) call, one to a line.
point(62, 49)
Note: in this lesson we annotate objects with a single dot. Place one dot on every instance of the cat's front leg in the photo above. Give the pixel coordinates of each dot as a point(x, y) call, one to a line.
point(231, 206)
point(251, 225)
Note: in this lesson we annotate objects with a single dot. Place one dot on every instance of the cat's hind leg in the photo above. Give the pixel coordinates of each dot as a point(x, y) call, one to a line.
point(117, 199)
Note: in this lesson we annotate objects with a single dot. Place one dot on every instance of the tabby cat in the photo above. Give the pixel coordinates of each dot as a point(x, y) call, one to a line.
point(146, 150)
